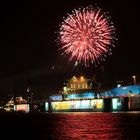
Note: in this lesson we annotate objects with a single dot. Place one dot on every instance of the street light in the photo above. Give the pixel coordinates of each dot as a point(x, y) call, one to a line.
point(134, 77)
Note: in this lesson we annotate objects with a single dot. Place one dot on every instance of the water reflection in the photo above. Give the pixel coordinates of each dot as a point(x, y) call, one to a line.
point(100, 126)
point(71, 126)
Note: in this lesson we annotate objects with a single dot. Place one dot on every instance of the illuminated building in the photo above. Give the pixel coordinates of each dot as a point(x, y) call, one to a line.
point(79, 95)
point(77, 84)
point(17, 104)
point(81, 88)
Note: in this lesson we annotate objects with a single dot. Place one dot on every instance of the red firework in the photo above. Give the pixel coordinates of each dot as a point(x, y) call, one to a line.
point(87, 35)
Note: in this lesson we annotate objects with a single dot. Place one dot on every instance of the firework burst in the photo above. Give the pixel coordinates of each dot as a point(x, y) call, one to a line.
point(87, 35)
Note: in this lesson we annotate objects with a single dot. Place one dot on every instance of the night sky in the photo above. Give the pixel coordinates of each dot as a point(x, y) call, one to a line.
point(29, 54)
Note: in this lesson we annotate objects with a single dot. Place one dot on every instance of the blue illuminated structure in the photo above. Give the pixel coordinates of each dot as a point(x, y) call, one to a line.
point(115, 92)
point(121, 91)
point(106, 94)
point(55, 97)
point(85, 95)
point(124, 90)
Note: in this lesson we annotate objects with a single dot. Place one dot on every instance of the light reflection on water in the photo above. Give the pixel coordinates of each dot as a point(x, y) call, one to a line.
point(77, 126)
point(99, 126)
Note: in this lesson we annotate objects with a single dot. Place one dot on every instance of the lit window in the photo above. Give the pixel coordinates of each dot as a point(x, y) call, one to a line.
point(78, 85)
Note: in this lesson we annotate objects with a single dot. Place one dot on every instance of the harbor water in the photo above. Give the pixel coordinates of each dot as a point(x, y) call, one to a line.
point(71, 126)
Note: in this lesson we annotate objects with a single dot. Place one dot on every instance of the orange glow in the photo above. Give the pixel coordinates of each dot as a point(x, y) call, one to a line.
point(82, 78)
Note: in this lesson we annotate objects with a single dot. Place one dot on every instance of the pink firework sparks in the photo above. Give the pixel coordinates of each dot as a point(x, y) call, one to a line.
point(87, 35)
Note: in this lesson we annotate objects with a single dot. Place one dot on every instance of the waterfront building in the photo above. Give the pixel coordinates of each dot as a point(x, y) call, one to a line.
point(79, 95)
point(75, 84)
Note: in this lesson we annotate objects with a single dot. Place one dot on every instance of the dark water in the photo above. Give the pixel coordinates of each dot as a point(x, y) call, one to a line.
point(71, 126)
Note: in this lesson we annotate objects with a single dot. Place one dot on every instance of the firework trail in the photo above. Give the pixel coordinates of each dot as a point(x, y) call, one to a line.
point(87, 35)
